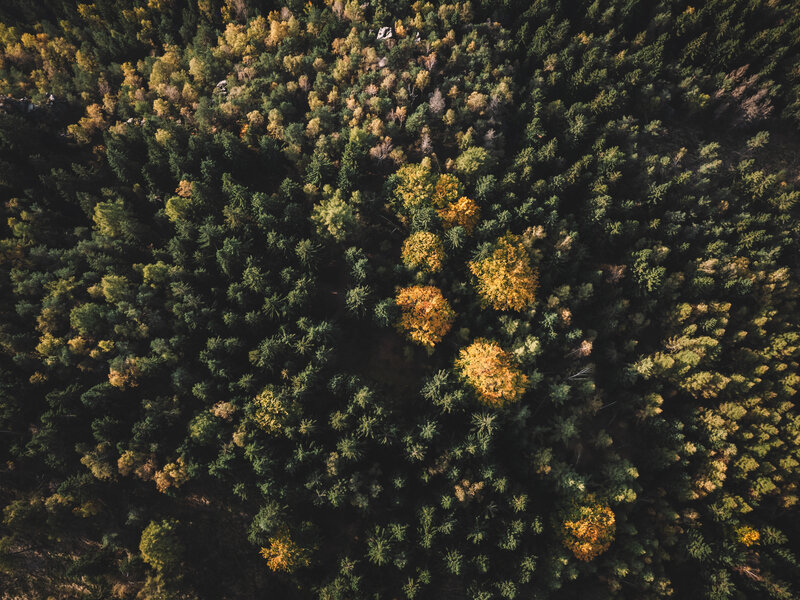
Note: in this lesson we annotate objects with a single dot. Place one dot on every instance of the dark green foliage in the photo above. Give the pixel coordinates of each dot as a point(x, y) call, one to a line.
point(199, 256)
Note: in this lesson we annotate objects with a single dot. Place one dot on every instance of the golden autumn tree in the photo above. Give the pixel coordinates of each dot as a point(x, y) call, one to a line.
point(446, 191)
point(505, 279)
point(417, 186)
point(747, 536)
point(423, 250)
point(492, 372)
point(283, 553)
point(588, 529)
point(426, 315)
point(464, 212)
point(173, 474)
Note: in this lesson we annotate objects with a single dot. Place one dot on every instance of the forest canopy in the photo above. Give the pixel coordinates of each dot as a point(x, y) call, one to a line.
point(392, 300)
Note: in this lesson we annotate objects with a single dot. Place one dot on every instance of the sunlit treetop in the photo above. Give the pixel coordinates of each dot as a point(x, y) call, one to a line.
point(416, 185)
point(269, 411)
point(446, 191)
point(423, 250)
point(748, 536)
point(506, 280)
point(160, 545)
point(426, 315)
point(492, 372)
point(283, 554)
point(588, 529)
point(464, 212)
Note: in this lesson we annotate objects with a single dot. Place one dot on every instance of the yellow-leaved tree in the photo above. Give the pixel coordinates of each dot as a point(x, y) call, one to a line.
point(748, 536)
point(425, 314)
point(446, 191)
point(464, 212)
point(423, 250)
point(283, 554)
point(173, 474)
point(506, 279)
point(271, 411)
point(492, 372)
point(418, 186)
point(588, 528)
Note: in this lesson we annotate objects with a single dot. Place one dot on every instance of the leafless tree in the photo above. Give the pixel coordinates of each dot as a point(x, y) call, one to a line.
point(436, 102)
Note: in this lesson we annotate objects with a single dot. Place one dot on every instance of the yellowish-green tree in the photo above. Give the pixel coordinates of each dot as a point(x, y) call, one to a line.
point(334, 217)
point(177, 208)
point(423, 250)
point(96, 461)
point(270, 412)
point(426, 315)
point(492, 372)
point(115, 288)
point(111, 217)
point(506, 279)
point(416, 185)
point(160, 545)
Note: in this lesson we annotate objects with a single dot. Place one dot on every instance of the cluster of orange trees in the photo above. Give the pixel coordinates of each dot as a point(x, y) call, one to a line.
point(504, 280)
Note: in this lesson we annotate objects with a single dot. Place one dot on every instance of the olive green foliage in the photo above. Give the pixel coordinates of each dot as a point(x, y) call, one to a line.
point(335, 218)
point(160, 545)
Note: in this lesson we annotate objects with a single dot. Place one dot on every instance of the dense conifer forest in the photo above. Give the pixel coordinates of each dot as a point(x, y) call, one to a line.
point(333, 300)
